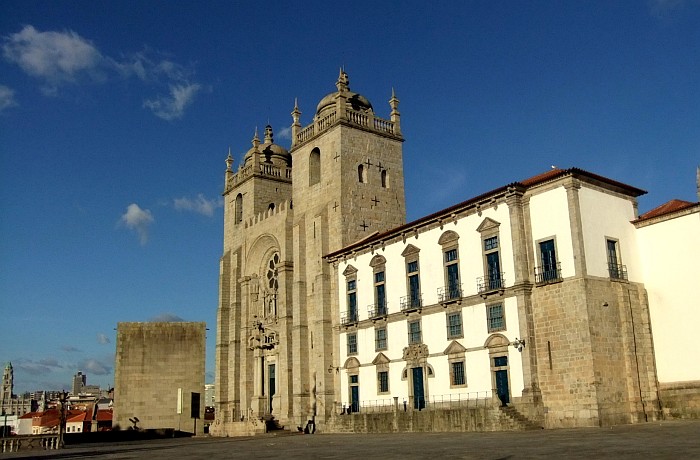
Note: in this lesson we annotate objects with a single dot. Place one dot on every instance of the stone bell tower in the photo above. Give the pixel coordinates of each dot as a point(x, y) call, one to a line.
point(347, 184)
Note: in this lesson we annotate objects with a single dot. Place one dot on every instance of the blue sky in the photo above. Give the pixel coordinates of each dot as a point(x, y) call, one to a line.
point(116, 119)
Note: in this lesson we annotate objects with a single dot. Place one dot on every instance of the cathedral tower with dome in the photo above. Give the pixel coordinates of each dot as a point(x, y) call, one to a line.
point(340, 182)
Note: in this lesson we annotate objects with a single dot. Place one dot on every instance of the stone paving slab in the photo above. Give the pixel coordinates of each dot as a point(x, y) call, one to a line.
point(670, 439)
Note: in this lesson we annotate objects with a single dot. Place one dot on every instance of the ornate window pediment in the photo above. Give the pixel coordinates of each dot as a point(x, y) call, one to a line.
point(410, 250)
point(381, 359)
point(377, 261)
point(449, 237)
point(454, 348)
point(349, 271)
point(487, 224)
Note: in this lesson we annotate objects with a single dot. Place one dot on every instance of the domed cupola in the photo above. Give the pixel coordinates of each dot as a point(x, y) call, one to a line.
point(353, 101)
point(268, 150)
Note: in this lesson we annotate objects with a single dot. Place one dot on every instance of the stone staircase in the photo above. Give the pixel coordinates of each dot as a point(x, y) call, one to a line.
point(519, 420)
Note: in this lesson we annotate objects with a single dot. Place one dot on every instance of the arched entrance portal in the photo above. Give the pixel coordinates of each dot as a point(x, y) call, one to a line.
point(497, 345)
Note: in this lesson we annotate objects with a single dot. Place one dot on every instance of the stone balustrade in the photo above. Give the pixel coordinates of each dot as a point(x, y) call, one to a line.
point(367, 120)
point(42, 441)
point(265, 169)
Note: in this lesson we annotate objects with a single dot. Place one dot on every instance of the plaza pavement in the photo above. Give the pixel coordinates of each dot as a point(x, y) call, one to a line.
point(667, 439)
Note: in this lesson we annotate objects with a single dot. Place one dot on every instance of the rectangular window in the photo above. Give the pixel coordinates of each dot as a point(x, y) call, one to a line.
point(495, 318)
point(414, 335)
point(383, 381)
point(615, 267)
point(458, 377)
point(352, 343)
point(413, 284)
point(380, 339)
point(491, 243)
point(549, 268)
point(352, 301)
point(380, 293)
point(454, 325)
point(452, 288)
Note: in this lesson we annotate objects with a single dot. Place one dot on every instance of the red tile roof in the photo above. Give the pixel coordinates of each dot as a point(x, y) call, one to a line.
point(666, 208)
point(104, 415)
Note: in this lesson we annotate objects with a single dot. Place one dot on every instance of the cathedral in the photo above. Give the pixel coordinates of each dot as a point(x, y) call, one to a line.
point(531, 300)
point(275, 322)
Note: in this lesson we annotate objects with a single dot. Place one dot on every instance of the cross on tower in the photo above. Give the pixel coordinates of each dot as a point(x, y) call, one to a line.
point(335, 206)
point(379, 166)
point(368, 163)
point(364, 226)
point(375, 200)
point(337, 155)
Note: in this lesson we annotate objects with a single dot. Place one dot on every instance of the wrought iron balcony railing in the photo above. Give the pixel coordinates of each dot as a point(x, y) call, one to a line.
point(410, 303)
point(376, 310)
point(348, 317)
point(447, 293)
point(547, 276)
point(491, 283)
point(617, 271)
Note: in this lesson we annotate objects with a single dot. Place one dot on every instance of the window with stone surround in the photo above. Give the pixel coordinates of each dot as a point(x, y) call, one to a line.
point(238, 210)
point(413, 300)
point(383, 382)
point(452, 288)
point(495, 317)
point(454, 325)
point(315, 166)
point(457, 375)
point(493, 278)
point(383, 175)
point(380, 342)
point(349, 316)
point(361, 174)
point(414, 332)
point(352, 343)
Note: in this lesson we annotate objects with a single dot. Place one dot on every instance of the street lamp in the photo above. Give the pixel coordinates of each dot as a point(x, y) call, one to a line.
point(62, 398)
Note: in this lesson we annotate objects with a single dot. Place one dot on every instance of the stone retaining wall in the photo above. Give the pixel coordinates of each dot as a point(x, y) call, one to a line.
point(680, 399)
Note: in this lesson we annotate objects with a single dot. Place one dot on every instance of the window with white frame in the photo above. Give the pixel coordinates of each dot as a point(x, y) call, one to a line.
point(495, 317)
point(454, 325)
point(352, 343)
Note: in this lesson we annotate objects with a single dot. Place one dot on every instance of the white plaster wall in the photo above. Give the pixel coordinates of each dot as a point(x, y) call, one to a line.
point(670, 264)
point(433, 326)
point(607, 216)
point(549, 217)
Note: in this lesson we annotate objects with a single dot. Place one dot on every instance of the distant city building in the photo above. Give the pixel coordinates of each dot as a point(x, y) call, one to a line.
point(158, 368)
point(10, 404)
point(209, 395)
point(79, 381)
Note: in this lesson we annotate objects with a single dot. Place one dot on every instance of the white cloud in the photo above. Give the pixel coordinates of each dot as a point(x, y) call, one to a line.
point(285, 133)
point(7, 97)
point(166, 318)
point(59, 58)
point(69, 348)
point(55, 57)
point(95, 367)
point(200, 205)
point(173, 106)
point(102, 339)
point(138, 219)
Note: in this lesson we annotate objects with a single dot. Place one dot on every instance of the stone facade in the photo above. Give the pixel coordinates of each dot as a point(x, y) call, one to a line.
point(157, 368)
point(330, 303)
point(10, 404)
point(275, 340)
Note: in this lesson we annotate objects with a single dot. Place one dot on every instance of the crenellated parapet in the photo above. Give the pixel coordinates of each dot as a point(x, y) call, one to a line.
point(282, 209)
point(265, 170)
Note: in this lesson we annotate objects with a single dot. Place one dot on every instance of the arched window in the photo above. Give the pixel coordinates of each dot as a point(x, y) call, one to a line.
point(271, 207)
point(239, 209)
point(315, 166)
point(384, 179)
point(361, 174)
